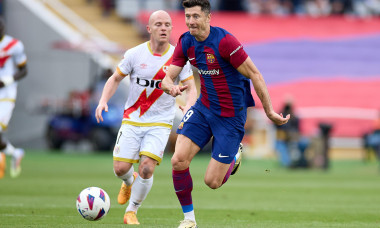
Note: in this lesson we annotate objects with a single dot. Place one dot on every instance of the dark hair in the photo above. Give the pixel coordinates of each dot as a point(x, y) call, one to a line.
point(204, 4)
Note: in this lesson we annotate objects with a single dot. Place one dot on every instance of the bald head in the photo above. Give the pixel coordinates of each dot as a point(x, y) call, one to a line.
point(159, 15)
point(159, 27)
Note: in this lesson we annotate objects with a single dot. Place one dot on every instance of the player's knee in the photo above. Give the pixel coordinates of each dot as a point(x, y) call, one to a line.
point(213, 184)
point(120, 170)
point(146, 167)
point(146, 171)
point(178, 163)
point(174, 161)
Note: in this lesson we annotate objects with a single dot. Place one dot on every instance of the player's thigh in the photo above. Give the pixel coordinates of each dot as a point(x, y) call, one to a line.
point(127, 144)
point(185, 150)
point(195, 126)
point(227, 137)
point(215, 173)
point(154, 142)
point(6, 108)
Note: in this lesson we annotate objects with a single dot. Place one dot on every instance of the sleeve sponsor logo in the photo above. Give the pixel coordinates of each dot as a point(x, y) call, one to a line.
point(237, 49)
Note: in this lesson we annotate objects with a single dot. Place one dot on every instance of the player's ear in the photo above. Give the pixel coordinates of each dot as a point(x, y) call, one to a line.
point(148, 29)
point(208, 18)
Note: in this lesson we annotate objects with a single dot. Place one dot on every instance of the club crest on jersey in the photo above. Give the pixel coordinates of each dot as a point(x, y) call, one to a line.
point(210, 58)
point(180, 125)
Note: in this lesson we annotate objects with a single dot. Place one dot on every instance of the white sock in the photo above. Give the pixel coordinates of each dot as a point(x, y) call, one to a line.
point(190, 216)
point(9, 149)
point(127, 177)
point(140, 190)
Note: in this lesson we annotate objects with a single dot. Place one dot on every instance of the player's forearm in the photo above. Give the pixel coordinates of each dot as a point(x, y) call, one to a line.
point(249, 70)
point(10, 79)
point(262, 92)
point(191, 94)
point(21, 73)
point(109, 89)
point(166, 84)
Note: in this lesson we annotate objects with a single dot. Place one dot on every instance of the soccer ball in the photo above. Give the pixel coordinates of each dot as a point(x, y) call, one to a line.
point(93, 203)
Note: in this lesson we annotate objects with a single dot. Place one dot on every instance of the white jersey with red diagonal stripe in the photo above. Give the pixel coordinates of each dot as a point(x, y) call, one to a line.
point(11, 55)
point(147, 104)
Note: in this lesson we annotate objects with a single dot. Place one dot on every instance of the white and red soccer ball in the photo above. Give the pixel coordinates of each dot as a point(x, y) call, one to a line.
point(93, 203)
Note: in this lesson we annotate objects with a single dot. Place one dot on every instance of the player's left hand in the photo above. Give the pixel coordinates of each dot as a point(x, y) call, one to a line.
point(99, 110)
point(278, 119)
point(177, 90)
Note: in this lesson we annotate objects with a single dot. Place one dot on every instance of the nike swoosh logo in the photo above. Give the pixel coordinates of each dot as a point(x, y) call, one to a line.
point(191, 59)
point(223, 156)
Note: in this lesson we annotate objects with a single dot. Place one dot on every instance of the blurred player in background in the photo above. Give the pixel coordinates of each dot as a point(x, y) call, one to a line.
point(220, 112)
point(12, 69)
point(149, 112)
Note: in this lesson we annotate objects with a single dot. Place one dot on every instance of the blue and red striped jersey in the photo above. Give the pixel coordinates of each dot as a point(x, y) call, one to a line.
point(224, 90)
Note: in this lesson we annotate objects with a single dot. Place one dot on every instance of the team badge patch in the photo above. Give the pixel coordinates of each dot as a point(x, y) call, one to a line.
point(210, 58)
point(180, 126)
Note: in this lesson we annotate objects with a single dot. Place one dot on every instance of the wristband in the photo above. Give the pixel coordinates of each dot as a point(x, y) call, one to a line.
point(7, 80)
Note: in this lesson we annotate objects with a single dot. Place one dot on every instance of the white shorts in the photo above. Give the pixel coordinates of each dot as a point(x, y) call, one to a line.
point(6, 107)
point(134, 141)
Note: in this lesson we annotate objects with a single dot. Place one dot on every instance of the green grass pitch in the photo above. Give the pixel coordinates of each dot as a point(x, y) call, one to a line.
point(261, 194)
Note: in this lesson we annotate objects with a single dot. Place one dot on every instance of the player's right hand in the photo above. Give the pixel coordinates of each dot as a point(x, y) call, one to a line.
point(278, 119)
point(177, 90)
point(99, 110)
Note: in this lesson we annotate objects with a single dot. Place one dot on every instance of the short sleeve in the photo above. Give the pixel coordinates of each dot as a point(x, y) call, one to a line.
point(232, 51)
point(125, 65)
point(186, 73)
point(18, 54)
point(179, 58)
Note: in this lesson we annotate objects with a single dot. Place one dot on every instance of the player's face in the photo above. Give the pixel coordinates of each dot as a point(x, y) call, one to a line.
point(160, 28)
point(196, 20)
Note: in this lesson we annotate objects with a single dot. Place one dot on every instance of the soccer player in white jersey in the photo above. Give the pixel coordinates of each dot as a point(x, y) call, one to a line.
point(12, 69)
point(149, 112)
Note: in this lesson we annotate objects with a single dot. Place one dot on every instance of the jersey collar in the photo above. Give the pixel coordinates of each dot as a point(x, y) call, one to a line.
point(155, 54)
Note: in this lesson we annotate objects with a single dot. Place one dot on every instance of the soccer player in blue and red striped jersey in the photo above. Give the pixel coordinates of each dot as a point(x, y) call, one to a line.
point(220, 112)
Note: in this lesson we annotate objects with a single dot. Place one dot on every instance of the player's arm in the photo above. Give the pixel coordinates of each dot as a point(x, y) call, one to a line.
point(168, 85)
point(21, 73)
point(249, 70)
point(191, 94)
point(108, 91)
point(179, 61)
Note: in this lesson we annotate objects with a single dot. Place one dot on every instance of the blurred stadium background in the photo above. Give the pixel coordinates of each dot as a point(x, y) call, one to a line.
point(323, 55)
